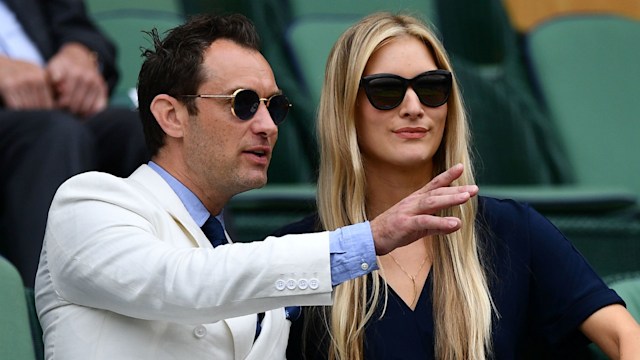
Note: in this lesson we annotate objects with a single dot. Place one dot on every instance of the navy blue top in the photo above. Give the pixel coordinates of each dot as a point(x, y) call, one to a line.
point(542, 287)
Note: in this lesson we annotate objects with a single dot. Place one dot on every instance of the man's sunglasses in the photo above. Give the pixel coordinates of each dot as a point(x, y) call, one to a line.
point(245, 103)
point(386, 91)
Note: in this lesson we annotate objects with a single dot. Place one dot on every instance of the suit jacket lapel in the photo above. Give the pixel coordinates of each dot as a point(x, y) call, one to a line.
point(273, 337)
point(273, 324)
point(241, 328)
point(148, 180)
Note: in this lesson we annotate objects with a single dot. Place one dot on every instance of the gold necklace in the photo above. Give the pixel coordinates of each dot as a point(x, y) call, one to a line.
point(412, 277)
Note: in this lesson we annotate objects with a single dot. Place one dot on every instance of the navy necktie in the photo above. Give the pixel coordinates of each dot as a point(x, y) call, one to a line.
point(214, 231)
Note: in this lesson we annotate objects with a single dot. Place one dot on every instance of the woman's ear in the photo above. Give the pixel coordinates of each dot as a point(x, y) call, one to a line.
point(170, 114)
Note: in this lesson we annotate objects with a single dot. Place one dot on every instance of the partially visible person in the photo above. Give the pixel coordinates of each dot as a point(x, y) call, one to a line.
point(141, 267)
point(391, 117)
point(56, 74)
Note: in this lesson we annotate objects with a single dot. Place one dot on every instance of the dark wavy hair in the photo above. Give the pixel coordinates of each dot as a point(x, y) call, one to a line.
point(174, 65)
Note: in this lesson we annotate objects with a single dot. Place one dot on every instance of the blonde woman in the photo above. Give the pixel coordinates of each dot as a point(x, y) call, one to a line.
point(390, 119)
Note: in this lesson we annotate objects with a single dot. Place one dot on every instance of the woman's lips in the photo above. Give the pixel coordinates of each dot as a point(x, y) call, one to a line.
point(411, 132)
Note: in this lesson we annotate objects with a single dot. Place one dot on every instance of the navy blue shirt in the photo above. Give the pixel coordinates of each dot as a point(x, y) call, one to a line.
point(542, 287)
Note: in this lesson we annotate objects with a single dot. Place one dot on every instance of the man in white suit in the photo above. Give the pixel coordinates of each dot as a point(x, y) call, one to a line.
point(126, 271)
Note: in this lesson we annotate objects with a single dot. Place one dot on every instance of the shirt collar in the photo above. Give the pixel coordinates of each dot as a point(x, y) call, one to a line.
point(194, 206)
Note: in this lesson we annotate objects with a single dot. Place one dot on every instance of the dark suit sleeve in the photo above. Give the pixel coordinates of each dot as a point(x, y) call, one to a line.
point(70, 23)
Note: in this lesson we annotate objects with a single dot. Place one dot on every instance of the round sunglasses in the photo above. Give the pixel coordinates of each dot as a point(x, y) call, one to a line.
point(245, 103)
point(386, 91)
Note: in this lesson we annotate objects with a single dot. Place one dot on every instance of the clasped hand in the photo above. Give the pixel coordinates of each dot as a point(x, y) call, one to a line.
point(70, 81)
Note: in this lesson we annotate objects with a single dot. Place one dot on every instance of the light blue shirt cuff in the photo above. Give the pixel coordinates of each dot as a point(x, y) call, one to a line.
point(352, 252)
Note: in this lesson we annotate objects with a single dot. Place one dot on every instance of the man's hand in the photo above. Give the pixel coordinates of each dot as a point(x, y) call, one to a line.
point(24, 85)
point(77, 81)
point(413, 217)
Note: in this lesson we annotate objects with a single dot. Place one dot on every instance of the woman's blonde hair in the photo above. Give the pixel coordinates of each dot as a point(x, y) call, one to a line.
point(462, 304)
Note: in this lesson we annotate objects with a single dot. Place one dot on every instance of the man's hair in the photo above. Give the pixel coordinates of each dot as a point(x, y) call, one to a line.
point(174, 65)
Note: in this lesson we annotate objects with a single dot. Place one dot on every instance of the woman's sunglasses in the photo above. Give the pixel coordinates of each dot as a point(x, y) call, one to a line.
point(245, 103)
point(386, 91)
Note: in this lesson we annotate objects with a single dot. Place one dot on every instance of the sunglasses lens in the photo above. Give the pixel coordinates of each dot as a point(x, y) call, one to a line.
point(246, 104)
point(432, 89)
point(385, 93)
point(278, 108)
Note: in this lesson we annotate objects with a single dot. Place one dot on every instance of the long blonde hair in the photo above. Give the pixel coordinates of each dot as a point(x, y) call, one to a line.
point(462, 304)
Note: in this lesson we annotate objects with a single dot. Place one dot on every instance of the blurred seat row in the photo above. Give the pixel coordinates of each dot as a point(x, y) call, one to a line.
point(554, 110)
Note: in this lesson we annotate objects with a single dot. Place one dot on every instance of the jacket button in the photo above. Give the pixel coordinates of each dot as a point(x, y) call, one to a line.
point(280, 284)
point(200, 331)
point(303, 284)
point(314, 283)
point(291, 284)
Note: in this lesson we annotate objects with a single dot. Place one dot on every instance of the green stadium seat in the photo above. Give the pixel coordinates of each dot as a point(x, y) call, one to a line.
point(16, 342)
point(586, 68)
point(125, 23)
point(510, 135)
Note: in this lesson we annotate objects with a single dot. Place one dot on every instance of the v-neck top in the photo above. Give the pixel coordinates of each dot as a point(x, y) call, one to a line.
point(543, 289)
point(388, 337)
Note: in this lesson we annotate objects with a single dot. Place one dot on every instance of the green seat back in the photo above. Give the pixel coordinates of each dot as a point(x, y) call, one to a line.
point(510, 135)
point(126, 29)
point(15, 331)
point(310, 40)
point(588, 75)
point(125, 22)
point(629, 291)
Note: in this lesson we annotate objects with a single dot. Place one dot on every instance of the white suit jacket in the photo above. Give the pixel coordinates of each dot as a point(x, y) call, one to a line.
point(125, 273)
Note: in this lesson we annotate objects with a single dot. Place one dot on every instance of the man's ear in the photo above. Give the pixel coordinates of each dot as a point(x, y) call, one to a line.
point(170, 114)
